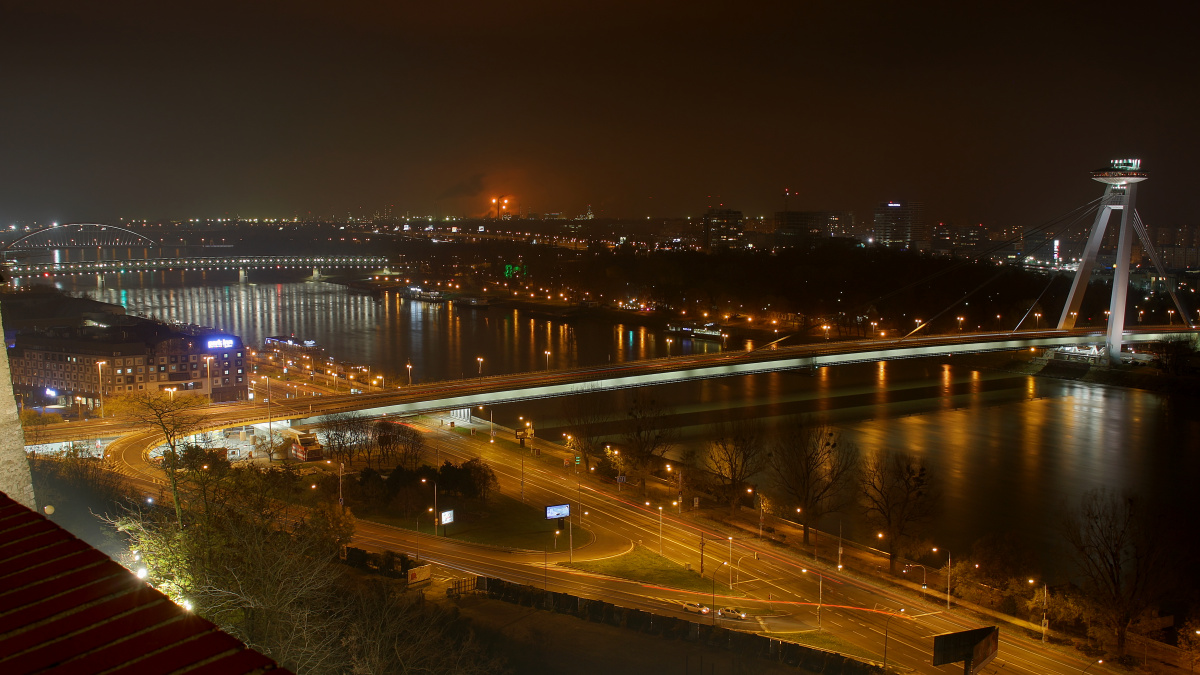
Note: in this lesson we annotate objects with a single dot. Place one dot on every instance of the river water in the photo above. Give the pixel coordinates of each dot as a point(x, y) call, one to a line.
point(1009, 451)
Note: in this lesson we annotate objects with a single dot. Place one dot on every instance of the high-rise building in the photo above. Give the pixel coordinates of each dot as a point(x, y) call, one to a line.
point(794, 224)
point(901, 225)
point(722, 227)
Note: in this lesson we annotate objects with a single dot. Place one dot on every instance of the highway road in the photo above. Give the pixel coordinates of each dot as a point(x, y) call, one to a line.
point(780, 595)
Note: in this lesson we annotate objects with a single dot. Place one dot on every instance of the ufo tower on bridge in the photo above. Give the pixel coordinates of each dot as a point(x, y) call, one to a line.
point(1120, 180)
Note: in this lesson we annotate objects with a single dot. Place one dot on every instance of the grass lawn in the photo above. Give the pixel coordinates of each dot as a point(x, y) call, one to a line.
point(504, 521)
point(642, 565)
point(822, 639)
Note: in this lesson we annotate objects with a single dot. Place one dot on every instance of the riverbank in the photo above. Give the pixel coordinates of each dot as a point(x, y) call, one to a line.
point(1130, 376)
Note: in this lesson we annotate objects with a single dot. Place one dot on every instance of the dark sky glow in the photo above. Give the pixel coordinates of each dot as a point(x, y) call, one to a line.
point(988, 112)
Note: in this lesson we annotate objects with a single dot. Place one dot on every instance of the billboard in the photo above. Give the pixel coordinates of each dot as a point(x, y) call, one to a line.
point(558, 511)
point(977, 647)
point(420, 576)
point(447, 517)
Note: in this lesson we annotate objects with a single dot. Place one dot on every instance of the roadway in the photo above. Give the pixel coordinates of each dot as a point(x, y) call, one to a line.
point(780, 597)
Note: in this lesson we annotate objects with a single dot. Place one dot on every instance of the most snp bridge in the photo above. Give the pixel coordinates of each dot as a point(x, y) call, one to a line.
point(16, 270)
point(494, 390)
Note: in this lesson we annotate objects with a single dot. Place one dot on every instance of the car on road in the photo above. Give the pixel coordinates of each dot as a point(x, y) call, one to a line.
point(695, 607)
point(731, 613)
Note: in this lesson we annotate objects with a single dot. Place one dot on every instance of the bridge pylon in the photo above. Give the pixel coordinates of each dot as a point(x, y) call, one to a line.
point(1120, 194)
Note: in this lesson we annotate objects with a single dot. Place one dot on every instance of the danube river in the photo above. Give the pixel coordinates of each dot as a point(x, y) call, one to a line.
point(1009, 451)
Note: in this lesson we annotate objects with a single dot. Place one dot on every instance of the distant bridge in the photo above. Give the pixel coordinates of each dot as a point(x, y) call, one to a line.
point(240, 263)
point(80, 235)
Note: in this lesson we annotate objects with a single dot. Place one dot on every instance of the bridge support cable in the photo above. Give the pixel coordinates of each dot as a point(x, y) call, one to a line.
point(1079, 218)
point(1140, 228)
point(1074, 213)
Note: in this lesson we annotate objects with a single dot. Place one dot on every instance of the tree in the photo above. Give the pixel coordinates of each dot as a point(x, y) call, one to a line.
point(1189, 642)
point(411, 446)
point(814, 467)
point(34, 424)
point(586, 421)
point(898, 498)
point(175, 417)
point(1122, 560)
point(340, 434)
point(735, 453)
point(480, 478)
point(647, 436)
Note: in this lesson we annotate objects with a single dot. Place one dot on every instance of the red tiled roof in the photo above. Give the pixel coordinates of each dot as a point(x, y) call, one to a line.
point(66, 607)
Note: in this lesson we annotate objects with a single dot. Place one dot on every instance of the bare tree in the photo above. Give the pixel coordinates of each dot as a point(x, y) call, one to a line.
point(647, 436)
point(337, 434)
point(34, 424)
point(898, 498)
point(814, 467)
point(387, 439)
point(1124, 564)
point(735, 453)
point(175, 417)
point(586, 421)
point(411, 446)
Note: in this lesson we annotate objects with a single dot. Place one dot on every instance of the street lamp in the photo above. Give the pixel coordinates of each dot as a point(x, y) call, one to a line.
point(947, 576)
point(556, 533)
point(660, 530)
point(547, 353)
point(171, 392)
point(820, 594)
point(480, 360)
point(669, 341)
point(1038, 317)
point(1090, 665)
point(924, 576)
point(1170, 317)
point(437, 515)
point(885, 639)
point(713, 608)
point(960, 320)
point(100, 376)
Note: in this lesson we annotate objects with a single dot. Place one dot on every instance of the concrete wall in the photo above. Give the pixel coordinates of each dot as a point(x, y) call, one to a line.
point(15, 479)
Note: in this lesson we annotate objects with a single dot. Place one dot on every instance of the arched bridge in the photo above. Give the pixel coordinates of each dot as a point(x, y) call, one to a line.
point(80, 235)
point(242, 263)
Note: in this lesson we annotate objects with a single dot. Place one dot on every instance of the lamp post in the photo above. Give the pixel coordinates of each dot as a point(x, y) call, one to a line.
point(342, 502)
point(660, 530)
point(730, 563)
point(547, 353)
point(409, 366)
point(924, 577)
point(669, 341)
point(437, 515)
point(1045, 603)
point(1090, 665)
point(885, 639)
point(960, 320)
point(480, 360)
point(171, 392)
point(820, 594)
point(1038, 317)
point(713, 608)
point(1170, 317)
point(947, 576)
point(79, 407)
point(556, 533)
point(100, 376)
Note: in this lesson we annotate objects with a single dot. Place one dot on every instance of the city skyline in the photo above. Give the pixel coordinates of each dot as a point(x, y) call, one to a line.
point(139, 111)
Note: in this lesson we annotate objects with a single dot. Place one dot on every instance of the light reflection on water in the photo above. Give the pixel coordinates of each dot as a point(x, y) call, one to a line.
point(1009, 451)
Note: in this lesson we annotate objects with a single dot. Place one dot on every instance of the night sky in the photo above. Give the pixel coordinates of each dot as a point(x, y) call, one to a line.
point(987, 112)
